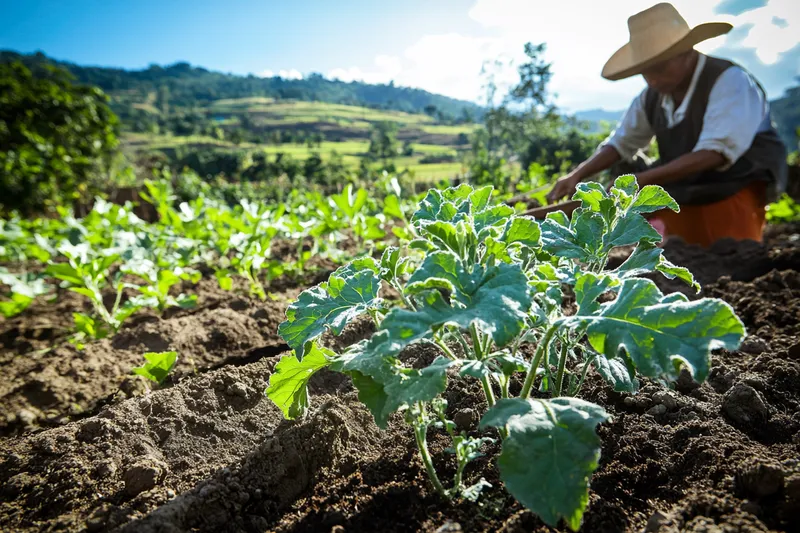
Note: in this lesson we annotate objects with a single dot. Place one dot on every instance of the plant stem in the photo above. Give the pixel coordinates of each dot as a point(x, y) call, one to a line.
point(406, 299)
point(537, 358)
point(562, 363)
point(420, 431)
point(446, 349)
point(374, 314)
point(464, 346)
point(583, 376)
point(487, 390)
point(477, 345)
point(504, 387)
point(487, 345)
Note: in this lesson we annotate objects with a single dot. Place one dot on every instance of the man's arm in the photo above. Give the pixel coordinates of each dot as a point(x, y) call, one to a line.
point(682, 167)
point(600, 160)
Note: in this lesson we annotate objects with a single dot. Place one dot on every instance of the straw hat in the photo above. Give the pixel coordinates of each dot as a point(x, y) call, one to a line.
point(657, 34)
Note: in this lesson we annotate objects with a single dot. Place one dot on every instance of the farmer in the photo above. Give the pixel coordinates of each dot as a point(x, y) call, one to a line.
point(720, 157)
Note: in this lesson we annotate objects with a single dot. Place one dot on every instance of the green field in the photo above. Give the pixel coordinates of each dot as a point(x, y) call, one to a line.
point(350, 123)
point(350, 151)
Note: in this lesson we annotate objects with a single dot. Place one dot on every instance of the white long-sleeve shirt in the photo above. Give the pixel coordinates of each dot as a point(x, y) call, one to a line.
point(736, 111)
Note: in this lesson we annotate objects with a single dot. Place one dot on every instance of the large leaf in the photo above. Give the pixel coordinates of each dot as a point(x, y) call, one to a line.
point(444, 270)
point(383, 384)
point(495, 298)
point(549, 455)
point(288, 384)
point(411, 385)
point(64, 272)
point(652, 198)
point(559, 239)
point(523, 230)
point(616, 373)
point(621, 212)
point(660, 333)
point(646, 259)
point(350, 291)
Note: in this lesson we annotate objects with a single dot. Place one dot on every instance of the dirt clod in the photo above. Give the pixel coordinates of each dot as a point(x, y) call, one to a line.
point(466, 418)
point(759, 479)
point(143, 475)
point(754, 345)
point(743, 405)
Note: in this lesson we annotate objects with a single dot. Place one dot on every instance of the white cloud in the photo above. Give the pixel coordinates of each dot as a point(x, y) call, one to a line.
point(580, 35)
point(776, 29)
point(287, 74)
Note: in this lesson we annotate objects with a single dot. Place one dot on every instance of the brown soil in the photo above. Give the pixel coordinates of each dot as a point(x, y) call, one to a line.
point(210, 453)
point(47, 387)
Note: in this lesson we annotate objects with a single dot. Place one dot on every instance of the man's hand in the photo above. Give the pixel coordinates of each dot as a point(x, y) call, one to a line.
point(565, 186)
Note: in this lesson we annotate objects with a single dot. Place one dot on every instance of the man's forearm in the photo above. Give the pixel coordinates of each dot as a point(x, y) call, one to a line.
point(600, 161)
point(681, 168)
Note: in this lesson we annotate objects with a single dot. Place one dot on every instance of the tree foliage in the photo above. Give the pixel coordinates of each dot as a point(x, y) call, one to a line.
point(55, 137)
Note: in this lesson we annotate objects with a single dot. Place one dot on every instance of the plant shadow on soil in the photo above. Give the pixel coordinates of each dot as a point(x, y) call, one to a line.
point(210, 453)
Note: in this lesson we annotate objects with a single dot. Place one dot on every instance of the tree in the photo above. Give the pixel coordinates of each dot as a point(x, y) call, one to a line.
point(56, 138)
point(525, 126)
point(383, 142)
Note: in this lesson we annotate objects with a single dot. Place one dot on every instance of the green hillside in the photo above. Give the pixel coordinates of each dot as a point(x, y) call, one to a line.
point(184, 86)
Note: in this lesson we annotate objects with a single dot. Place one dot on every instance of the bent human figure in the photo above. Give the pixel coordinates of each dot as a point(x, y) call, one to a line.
point(720, 156)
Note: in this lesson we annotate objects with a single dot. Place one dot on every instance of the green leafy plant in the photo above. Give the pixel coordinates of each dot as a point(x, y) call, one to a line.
point(156, 292)
point(482, 284)
point(784, 210)
point(24, 289)
point(88, 274)
point(157, 366)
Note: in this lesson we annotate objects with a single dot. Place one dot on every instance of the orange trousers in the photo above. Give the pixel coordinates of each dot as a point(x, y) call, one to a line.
point(741, 216)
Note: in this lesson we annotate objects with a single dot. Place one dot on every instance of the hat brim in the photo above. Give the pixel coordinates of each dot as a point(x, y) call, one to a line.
point(621, 65)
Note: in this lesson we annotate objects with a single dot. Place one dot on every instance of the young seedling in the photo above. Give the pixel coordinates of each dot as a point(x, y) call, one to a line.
point(156, 292)
point(484, 282)
point(87, 274)
point(24, 290)
point(157, 366)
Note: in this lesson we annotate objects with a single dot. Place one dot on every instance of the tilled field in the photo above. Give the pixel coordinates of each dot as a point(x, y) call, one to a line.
point(86, 447)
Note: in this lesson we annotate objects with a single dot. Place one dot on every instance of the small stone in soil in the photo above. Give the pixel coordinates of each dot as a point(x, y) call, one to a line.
point(744, 405)
point(143, 475)
point(754, 345)
point(26, 417)
point(237, 389)
point(465, 418)
point(657, 410)
point(793, 489)
point(657, 521)
point(666, 399)
point(449, 527)
point(759, 479)
point(751, 507)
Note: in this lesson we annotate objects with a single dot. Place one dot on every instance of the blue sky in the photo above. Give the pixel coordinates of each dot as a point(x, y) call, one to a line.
point(437, 45)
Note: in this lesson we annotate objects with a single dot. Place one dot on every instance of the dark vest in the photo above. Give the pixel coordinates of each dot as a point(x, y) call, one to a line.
point(765, 160)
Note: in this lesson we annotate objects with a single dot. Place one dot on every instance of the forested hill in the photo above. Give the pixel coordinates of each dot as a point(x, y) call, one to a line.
point(786, 114)
point(184, 85)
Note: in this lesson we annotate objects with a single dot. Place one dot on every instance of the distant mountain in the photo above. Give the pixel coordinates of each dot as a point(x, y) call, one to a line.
point(597, 115)
point(786, 114)
point(184, 85)
point(598, 119)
